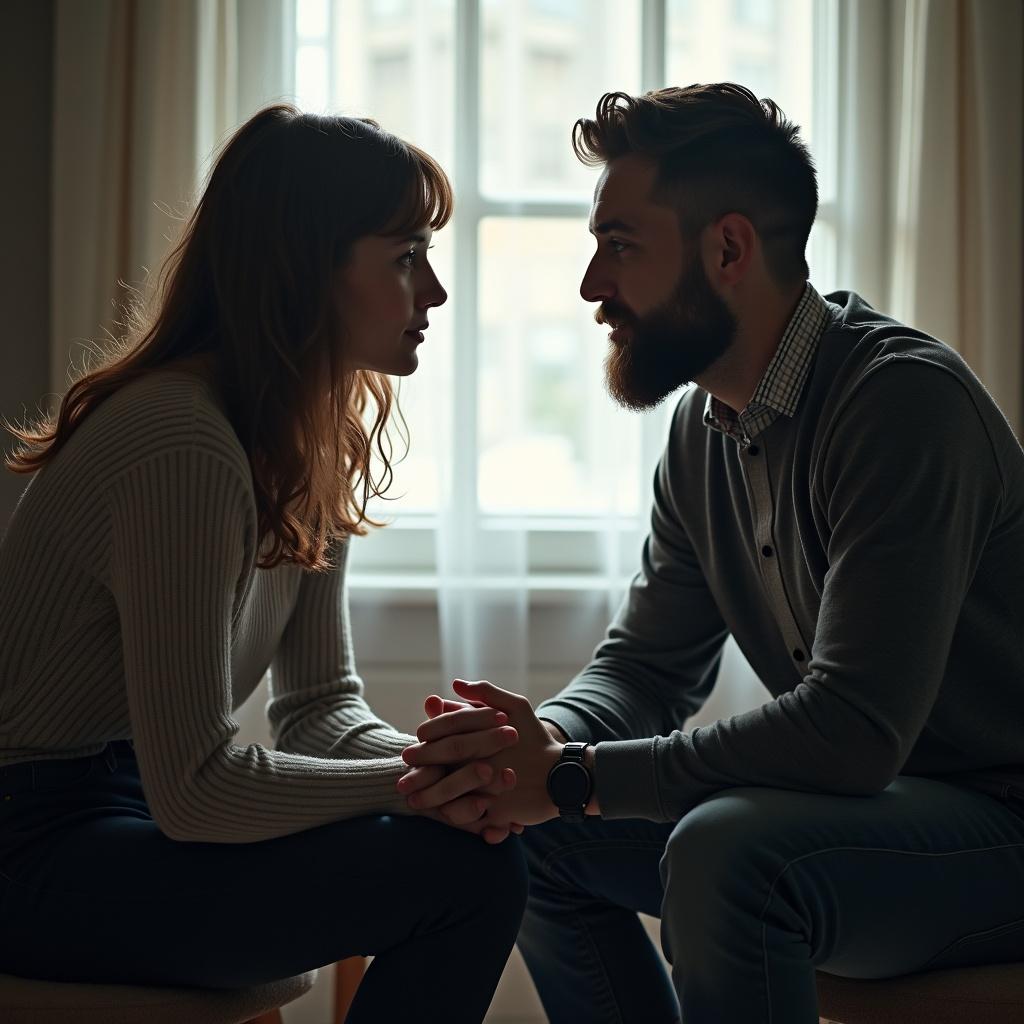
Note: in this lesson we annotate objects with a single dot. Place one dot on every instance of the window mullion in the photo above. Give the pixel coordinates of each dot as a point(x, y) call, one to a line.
point(464, 439)
point(534, 207)
point(653, 36)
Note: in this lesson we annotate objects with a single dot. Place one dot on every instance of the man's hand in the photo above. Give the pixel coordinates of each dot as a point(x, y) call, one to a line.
point(531, 758)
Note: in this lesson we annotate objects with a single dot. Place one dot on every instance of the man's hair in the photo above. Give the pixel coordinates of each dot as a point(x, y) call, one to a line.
point(718, 150)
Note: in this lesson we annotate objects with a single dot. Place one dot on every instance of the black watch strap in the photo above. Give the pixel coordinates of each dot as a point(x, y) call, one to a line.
point(570, 784)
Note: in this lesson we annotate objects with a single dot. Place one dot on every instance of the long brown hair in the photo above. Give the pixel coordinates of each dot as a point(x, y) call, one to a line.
point(251, 285)
point(719, 149)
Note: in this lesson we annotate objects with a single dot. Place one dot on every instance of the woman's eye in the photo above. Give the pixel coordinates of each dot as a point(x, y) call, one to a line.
point(408, 258)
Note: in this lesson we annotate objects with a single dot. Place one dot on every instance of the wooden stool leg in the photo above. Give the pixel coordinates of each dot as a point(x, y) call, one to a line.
point(347, 974)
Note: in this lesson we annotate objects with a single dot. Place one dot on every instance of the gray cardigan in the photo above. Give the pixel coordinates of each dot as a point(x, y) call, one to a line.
point(867, 555)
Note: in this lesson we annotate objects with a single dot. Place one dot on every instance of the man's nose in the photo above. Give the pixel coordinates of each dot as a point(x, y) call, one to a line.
point(595, 286)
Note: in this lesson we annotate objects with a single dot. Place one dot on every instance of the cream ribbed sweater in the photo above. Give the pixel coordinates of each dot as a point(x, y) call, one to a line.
point(131, 608)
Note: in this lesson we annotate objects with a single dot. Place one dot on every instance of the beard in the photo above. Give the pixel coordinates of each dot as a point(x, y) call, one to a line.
point(669, 346)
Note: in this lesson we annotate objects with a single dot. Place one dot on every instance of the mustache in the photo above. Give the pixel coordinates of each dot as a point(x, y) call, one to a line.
point(613, 314)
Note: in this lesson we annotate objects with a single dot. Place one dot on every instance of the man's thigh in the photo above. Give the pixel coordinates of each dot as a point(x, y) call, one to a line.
point(925, 874)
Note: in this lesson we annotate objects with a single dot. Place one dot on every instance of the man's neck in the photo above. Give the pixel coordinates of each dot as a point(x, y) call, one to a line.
point(733, 378)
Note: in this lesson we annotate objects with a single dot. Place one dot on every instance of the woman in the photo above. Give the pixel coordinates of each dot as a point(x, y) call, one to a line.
point(186, 528)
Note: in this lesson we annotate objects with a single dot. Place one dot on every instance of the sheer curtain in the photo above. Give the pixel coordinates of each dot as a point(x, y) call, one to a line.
point(931, 175)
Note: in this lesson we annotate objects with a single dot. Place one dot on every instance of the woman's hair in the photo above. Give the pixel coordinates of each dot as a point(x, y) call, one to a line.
point(252, 282)
point(718, 150)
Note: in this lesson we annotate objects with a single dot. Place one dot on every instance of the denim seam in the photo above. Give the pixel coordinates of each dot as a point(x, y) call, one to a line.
point(605, 844)
point(609, 991)
point(1008, 926)
point(858, 849)
point(608, 844)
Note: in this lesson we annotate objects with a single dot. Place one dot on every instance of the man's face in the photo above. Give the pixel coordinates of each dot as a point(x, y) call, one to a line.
point(669, 323)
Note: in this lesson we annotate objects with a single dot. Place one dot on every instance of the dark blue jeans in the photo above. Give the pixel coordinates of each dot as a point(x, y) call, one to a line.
point(91, 890)
point(756, 888)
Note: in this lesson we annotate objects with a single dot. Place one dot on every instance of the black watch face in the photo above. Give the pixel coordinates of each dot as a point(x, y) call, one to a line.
point(570, 784)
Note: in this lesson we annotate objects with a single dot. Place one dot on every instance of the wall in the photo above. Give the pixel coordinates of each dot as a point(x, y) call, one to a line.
point(26, 80)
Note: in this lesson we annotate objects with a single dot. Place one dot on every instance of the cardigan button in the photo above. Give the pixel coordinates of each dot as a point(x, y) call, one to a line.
point(798, 655)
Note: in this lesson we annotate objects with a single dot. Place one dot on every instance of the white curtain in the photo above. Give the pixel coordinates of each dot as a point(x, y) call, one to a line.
point(144, 92)
point(931, 174)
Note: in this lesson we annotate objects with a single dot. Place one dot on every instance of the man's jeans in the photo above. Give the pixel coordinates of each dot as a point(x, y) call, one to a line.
point(758, 887)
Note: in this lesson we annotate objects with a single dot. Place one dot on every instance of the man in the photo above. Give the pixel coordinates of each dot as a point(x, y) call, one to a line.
point(842, 496)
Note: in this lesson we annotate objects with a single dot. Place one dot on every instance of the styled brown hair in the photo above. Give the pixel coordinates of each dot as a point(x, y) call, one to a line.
point(251, 282)
point(718, 150)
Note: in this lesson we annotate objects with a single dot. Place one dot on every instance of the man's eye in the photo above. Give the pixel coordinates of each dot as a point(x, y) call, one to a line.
point(616, 245)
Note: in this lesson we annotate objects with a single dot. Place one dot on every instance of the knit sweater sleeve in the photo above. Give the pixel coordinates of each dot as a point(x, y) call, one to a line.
point(909, 486)
point(317, 705)
point(660, 657)
point(179, 521)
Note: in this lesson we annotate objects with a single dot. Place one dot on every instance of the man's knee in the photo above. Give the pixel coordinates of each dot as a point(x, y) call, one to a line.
point(724, 846)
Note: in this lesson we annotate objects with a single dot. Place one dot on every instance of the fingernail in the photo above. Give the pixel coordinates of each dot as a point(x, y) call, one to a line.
point(509, 733)
point(501, 718)
point(483, 772)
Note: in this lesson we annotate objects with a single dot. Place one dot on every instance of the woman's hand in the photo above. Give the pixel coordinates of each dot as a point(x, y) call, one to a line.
point(530, 758)
point(462, 790)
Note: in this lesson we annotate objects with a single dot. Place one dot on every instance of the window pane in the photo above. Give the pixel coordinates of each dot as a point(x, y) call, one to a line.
point(311, 78)
point(311, 18)
point(392, 60)
point(551, 440)
point(766, 45)
point(543, 64)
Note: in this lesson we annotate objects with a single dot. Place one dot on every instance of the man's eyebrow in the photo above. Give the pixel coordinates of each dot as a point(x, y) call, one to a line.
point(612, 225)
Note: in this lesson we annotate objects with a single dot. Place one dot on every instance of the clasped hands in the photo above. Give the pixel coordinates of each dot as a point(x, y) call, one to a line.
point(482, 763)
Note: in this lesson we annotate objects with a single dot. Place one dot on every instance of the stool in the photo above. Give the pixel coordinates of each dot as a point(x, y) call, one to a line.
point(26, 1001)
point(993, 994)
point(347, 975)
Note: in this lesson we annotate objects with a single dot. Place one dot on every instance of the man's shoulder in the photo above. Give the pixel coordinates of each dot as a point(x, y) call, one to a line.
point(860, 343)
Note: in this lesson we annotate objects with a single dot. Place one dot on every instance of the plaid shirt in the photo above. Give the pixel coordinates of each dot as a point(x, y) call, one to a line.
point(778, 391)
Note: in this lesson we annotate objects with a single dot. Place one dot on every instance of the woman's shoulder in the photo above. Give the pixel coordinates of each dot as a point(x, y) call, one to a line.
point(167, 412)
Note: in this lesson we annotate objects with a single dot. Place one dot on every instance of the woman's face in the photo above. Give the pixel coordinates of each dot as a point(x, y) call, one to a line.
point(383, 293)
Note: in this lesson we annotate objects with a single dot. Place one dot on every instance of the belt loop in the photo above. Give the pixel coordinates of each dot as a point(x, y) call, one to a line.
point(110, 758)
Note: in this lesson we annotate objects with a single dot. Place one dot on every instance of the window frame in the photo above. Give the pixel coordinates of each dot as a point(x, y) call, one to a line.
point(558, 561)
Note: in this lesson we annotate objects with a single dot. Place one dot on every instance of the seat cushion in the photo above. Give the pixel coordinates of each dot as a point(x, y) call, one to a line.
point(26, 1001)
point(982, 995)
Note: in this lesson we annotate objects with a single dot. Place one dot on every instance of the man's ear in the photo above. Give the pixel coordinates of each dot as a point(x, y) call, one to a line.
point(733, 241)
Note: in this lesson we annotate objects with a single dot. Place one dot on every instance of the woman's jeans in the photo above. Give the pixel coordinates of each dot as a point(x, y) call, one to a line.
point(91, 890)
point(758, 887)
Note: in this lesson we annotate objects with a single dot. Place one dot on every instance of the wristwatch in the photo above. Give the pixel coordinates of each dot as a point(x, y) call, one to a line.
point(570, 783)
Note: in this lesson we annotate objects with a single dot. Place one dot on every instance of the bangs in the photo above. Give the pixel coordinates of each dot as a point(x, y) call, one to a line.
point(428, 196)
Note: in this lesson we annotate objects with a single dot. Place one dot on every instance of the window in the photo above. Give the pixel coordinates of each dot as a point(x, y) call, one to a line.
point(509, 399)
